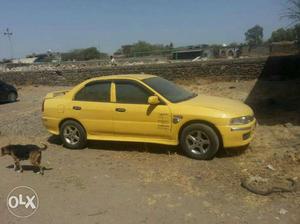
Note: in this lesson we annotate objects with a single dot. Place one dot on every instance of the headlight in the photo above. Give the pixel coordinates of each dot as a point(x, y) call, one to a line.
point(241, 120)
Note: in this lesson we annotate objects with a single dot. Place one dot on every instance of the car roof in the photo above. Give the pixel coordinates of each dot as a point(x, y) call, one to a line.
point(128, 76)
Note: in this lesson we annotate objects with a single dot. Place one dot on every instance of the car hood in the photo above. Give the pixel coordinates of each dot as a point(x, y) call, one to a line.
point(10, 87)
point(233, 107)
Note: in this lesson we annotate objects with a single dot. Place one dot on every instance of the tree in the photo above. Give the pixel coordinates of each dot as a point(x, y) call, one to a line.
point(254, 36)
point(293, 11)
point(143, 48)
point(233, 44)
point(297, 32)
point(83, 54)
point(283, 35)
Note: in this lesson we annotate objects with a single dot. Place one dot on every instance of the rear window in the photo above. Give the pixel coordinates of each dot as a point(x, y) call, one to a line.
point(94, 92)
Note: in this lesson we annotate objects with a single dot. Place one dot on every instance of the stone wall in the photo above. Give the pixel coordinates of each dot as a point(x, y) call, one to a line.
point(284, 48)
point(65, 65)
point(257, 51)
point(216, 69)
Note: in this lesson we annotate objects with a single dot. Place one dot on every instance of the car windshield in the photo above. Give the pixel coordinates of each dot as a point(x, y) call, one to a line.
point(169, 90)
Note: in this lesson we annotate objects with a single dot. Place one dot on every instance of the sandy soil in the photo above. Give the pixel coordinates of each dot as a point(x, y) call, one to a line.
point(136, 183)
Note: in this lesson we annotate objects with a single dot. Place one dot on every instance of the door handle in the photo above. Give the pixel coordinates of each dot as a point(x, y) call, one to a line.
point(76, 108)
point(120, 109)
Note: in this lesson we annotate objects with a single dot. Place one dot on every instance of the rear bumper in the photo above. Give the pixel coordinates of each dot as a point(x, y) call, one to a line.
point(51, 124)
point(237, 135)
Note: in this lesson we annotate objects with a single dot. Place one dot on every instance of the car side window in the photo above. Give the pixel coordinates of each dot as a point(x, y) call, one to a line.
point(130, 92)
point(94, 92)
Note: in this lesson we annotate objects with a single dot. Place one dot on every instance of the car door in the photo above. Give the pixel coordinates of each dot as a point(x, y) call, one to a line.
point(134, 117)
point(91, 106)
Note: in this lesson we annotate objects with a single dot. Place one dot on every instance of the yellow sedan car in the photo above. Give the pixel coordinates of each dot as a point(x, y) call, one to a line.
point(147, 108)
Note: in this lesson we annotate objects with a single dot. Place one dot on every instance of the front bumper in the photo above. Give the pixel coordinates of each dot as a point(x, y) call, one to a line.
point(237, 135)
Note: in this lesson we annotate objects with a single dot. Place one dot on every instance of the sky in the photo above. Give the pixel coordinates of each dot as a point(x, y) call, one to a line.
point(63, 25)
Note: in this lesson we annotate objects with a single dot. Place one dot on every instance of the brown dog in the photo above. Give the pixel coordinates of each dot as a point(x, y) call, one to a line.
point(25, 152)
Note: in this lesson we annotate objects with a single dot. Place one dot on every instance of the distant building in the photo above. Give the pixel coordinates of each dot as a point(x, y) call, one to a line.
point(229, 52)
point(192, 52)
point(36, 58)
point(25, 60)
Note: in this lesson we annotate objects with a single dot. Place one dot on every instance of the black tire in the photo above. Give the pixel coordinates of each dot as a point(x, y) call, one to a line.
point(80, 134)
point(203, 149)
point(12, 97)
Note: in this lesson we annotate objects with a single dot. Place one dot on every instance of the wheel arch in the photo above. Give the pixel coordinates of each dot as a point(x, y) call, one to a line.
point(12, 91)
point(201, 122)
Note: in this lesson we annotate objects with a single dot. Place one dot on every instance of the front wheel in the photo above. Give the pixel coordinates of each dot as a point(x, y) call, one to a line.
point(199, 141)
point(73, 135)
point(12, 97)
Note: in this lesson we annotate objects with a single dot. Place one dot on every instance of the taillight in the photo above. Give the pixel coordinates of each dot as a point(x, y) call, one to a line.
point(43, 106)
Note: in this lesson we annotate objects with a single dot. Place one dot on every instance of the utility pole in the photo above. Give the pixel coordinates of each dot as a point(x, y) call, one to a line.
point(8, 33)
point(99, 45)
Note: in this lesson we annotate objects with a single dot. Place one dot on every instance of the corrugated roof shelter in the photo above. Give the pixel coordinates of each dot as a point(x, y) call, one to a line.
point(191, 54)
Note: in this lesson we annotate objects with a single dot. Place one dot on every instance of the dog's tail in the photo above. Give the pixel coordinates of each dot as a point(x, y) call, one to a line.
point(44, 147)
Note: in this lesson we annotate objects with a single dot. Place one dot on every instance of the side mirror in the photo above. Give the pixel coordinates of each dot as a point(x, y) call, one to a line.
point(153, 100)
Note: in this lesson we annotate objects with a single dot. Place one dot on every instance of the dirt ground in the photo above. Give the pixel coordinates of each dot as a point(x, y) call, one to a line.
point(111, 182)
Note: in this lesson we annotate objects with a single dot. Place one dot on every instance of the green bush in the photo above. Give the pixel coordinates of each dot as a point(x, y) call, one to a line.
point(83, 54)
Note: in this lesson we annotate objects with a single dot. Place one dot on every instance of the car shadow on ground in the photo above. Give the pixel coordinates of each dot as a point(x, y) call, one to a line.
point(2, 103)
point(275, 98)
point(123, 146)
point(231, 152)
point(147, 147)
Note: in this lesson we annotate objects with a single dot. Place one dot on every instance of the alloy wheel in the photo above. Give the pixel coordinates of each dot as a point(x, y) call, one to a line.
point(71, 134)
point(12, 97)
point(197, 142)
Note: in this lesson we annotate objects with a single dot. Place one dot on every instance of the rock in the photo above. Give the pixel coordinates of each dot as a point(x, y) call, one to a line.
point(283, 211)
point(288, 125)
point(266, 186)
point(269, 166)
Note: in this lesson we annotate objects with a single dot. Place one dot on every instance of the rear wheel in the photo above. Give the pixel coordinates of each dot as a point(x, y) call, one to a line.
point(199, 141)
point(73, 135)
point(12, 97)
